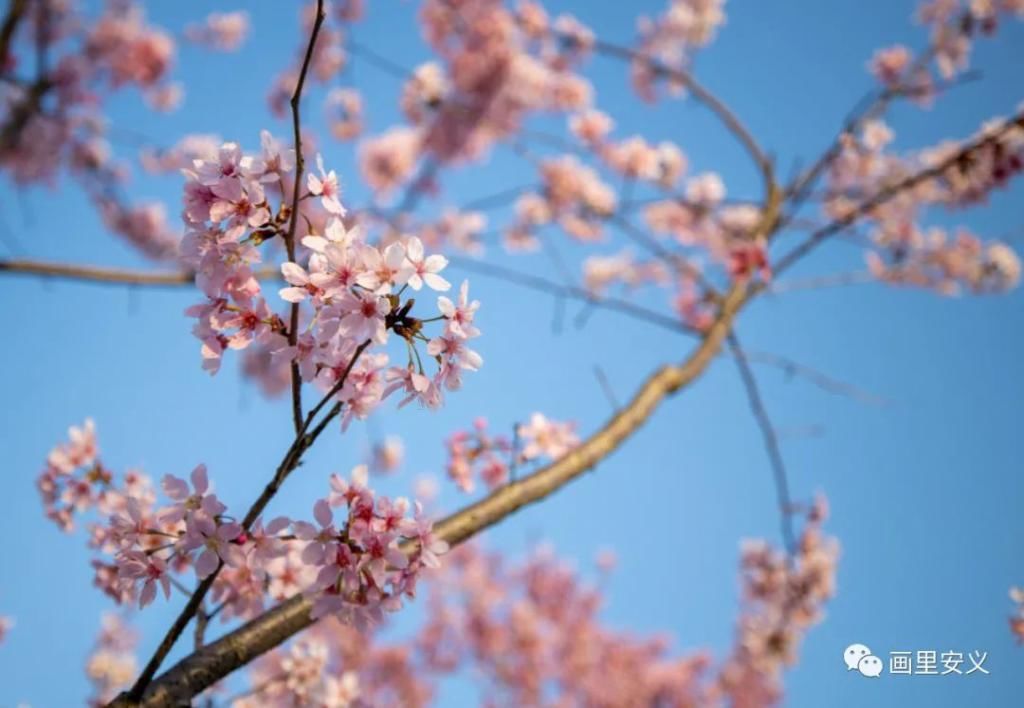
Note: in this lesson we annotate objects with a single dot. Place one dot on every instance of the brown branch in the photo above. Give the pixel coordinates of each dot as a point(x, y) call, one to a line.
point(539, 284)
point(115, 276)
point(215, 661)
point(300, 163)
point(15, 13)
point(771, 443)
point(102, 275)
point(303, 441)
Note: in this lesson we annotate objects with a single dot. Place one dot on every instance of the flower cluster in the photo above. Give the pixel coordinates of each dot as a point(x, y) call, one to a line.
point(534, 634)
point(602, 272)
point(362, 570)
point(333, 665)
point(355, 291)
point(499, 66)
point(227, 215)
point(54, 122)
point(574, 196)
point(934, 260)
point(1017, 619)
point(783, 597)
point(356, 569)
point(669, 41)
point(907, 252)
point(473, 453)
point(111, 664)
point(223, 31)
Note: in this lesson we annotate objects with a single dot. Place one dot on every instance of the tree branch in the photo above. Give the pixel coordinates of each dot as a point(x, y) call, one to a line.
point(771, 443)
point(289, 241)
point(218, 659)
point(890, 191)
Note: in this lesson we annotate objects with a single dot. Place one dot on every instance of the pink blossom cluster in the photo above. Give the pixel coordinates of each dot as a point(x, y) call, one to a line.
point(227, 215)
point(455, 229)
point(355, 291)
point(355, 569)
point(669, 41)
point(498, 66)
point(954, 25)
point(623, 268)
point(783, 598)
point(1017, 618)
point(935, 260)
point(906, 251)
point(477, 453)
point(574, 196)
point(6, 623)
point(223, 31)
point(334, 665)
point(85, 62)
point(111, 664)
point(362, 570)
point(533, 634)
point(73, 480)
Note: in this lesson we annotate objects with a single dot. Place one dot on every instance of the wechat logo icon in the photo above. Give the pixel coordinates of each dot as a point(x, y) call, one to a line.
point(858, 657)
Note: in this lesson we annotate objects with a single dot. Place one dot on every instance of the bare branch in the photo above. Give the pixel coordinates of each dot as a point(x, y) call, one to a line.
point(771, 443)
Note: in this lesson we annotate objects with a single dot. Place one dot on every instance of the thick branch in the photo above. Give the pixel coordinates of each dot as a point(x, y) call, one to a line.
point(215, 661)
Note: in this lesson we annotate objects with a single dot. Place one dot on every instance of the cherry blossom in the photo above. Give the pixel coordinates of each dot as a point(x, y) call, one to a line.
point(326, 187)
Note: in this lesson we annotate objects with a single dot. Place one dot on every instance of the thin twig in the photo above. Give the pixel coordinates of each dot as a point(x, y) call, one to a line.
point(606, 386)
point(300, 163)
point(771, 443)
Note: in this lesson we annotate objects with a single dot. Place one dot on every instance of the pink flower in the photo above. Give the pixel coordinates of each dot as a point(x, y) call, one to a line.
point(417, 269)
point(460, 317)
point(545, 438)
point(363, 316)
point(276, 160)
point(322, 542)
point(216, 541)
point(189, 504)
point(415, 385)
point(148, 568)
point(302, 285)
point(326, 187)
point(383, 555)
point(456, 352)
point(430, 546)
point(264, 542)
point(344, 492)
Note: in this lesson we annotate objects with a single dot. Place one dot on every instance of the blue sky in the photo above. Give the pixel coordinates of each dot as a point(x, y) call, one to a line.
point(925, 491)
